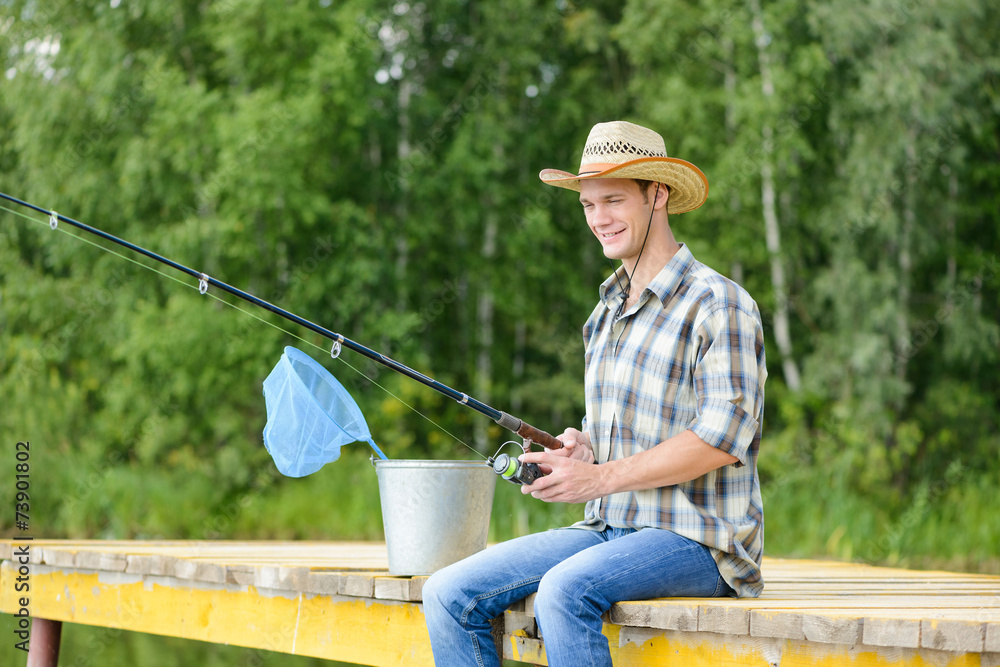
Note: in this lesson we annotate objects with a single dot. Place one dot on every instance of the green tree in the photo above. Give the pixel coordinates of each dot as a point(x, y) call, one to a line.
point(373, 168)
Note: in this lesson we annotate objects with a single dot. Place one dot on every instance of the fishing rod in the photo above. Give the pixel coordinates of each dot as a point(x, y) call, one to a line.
point(528, 432)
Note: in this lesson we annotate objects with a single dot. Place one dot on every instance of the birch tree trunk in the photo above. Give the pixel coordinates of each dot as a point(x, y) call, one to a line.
point(403, 152)
point(782, 335)
point(952, 271)
point(484, 329)
point(904, 346)
point(729, 83)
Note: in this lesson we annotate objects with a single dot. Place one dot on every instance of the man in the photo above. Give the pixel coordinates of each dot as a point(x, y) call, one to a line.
point(674, 395)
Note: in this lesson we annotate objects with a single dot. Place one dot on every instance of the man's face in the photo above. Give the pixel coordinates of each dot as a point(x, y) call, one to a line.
point(617, 215)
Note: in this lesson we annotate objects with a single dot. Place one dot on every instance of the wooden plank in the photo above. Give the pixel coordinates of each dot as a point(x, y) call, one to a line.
point(876, 588)
point(199, 571)
point(640, 647)
point(991, 642)
point(776, 570)
point(525, 649)
point(324, 583)
point(724, 619)
point(407, 589)
point(241, 575)
point(358, 585)
point(778, 624)
point(894, 632)
point(832, 629)
point(828, 623)
point(331, 627)
point(804, 601)
point(528, 604)
point(672, 648)
point(653, 615)
point(825, 569)
point(281, 578)
point(948, 635)
point(156, 564)
point(349, 554)
point(56, 557)
point(974, 604)
point(36, 553)
point(99, 560)
point(520, 624)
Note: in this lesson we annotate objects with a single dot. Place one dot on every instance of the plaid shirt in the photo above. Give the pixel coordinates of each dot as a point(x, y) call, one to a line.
point(688, 355)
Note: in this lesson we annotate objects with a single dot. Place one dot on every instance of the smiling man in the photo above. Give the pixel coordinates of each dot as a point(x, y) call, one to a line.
point(666, 456)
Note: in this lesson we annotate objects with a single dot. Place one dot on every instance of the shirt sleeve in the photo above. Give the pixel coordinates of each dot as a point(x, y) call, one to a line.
point(729, 380)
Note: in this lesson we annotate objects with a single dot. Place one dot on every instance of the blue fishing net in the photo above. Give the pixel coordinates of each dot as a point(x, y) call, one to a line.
point(310, 416)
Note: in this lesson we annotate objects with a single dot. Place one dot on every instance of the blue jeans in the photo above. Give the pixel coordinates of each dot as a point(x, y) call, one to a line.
point(578, 575)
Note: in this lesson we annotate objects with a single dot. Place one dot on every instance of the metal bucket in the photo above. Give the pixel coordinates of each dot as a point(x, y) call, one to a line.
point(434, 512)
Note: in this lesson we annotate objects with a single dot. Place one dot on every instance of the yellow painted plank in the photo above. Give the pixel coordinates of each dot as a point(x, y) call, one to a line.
point(898, 586)
point(635, 647)
point(351, 555)
point(776, 571)
point(982, 606)
point(794, 589)
point(352, 630)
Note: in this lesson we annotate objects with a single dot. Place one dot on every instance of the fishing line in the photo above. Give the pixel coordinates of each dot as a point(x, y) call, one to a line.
point(504, 419)
point(246, 312)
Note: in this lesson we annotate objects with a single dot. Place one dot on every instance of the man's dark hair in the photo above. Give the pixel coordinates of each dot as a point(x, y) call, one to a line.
point(644, 188)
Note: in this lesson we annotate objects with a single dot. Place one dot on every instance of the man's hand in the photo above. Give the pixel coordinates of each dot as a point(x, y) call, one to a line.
point(576, 445)
point(567, 470)
point(567, 479)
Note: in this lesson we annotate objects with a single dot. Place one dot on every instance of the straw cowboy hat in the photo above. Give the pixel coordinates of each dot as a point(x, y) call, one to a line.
point(624, 150)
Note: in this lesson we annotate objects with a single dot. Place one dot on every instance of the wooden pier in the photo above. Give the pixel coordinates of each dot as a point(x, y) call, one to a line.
point(336, 600)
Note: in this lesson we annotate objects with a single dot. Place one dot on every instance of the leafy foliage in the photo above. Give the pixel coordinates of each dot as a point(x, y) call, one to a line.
point(373, 168)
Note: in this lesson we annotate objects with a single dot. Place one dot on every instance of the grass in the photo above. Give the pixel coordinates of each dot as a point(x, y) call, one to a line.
point(808, 515)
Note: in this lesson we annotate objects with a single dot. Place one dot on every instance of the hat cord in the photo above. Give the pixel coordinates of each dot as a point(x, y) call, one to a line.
point(621, 307)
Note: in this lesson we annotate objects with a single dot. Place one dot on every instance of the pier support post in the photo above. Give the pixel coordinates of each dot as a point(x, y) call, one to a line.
point(43, 650)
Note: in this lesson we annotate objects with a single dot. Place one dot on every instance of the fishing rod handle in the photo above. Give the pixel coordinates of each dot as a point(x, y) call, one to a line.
point(529, 432)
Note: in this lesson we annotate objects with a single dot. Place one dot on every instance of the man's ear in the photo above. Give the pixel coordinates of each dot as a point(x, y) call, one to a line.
point(662, 195)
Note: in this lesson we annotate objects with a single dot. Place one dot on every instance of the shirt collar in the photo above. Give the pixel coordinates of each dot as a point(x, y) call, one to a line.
point(663, 286)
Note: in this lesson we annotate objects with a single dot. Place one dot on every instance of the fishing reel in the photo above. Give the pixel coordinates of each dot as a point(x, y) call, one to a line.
point(512, 470)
